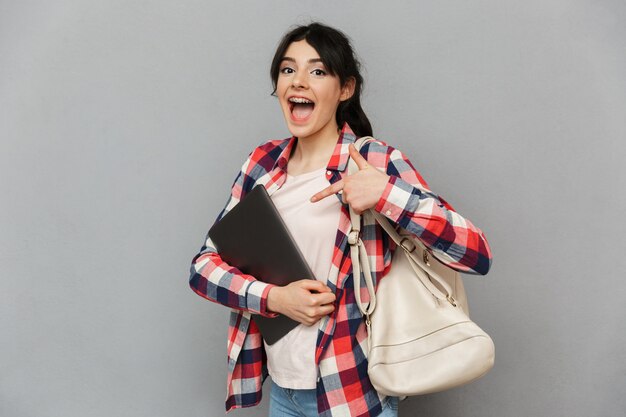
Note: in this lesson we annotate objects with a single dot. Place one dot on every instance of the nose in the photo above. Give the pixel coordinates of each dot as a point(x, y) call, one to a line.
point(299, 80)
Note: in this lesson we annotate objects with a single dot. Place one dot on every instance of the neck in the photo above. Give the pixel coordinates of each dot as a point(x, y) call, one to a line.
point(315, 150)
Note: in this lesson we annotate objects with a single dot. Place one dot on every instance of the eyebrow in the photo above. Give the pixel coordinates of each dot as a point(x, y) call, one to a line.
point(310, 61)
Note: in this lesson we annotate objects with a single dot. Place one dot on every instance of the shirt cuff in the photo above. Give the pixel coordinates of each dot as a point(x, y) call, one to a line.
point(397, 198)
point(256, 298)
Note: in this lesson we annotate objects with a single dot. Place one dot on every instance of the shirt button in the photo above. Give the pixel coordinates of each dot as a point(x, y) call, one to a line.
point(328, 172)
point(388, 212)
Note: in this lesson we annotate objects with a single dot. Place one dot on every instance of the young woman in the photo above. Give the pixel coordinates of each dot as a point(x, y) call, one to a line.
point(320, 367)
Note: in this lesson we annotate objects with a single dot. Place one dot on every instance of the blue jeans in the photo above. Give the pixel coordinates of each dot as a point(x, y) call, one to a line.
point(287, 402)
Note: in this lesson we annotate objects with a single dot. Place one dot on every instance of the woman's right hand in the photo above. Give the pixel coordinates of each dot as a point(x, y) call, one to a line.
point(305, 301)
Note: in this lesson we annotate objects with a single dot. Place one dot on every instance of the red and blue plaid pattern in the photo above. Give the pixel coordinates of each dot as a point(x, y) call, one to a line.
point(343, 387)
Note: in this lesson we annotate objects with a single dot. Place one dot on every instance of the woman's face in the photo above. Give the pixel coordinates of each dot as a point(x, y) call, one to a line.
point(308, 94)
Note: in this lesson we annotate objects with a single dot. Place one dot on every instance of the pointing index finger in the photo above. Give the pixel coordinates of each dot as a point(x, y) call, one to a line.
point(331, 189)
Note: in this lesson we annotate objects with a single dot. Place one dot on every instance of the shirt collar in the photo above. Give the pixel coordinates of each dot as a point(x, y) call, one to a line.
point(339, 158)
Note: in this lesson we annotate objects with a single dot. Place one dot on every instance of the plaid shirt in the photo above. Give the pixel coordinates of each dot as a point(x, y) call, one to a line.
point(343, 387)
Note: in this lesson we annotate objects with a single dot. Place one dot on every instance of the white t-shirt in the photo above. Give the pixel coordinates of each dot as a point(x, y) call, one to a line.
point(291, 360)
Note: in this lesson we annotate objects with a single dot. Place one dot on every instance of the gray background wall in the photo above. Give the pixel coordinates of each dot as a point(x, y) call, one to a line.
point(123, 124)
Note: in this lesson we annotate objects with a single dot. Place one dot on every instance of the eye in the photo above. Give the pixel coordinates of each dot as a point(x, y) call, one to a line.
point(286, 70)
point(318, 71)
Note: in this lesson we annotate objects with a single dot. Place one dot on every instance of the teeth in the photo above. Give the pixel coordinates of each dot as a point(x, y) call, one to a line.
point(299, 100)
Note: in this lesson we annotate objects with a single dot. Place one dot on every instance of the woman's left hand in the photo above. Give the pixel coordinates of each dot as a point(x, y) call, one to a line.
point(361, 190)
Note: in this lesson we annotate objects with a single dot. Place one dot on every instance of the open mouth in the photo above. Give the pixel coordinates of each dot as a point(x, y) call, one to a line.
point(300, 107)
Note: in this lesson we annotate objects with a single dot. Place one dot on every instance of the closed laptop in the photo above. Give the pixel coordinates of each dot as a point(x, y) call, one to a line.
point(254, 238)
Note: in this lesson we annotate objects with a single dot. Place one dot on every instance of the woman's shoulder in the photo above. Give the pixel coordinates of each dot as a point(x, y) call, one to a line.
point(393, 161)
point(272, 146)
point(265, 155)
point(380, 153)
point(377, 144)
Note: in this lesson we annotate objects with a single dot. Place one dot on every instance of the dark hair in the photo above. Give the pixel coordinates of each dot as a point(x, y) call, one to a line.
point(338, 56)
